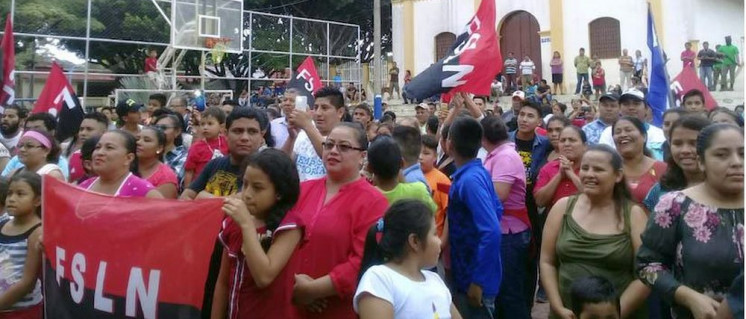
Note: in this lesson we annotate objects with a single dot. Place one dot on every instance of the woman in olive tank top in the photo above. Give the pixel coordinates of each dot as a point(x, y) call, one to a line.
point(596, 232)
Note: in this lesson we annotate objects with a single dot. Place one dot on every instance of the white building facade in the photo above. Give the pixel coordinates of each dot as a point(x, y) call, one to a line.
point(424, 29)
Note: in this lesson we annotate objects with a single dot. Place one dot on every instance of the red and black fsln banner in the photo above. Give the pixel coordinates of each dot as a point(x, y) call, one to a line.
point(470, 65)
point(109, 257)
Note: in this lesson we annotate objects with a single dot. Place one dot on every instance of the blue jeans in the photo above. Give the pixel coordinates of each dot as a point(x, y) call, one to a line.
point(580, 82)
point(705, 74)
point(515, 287)
point(467, 311)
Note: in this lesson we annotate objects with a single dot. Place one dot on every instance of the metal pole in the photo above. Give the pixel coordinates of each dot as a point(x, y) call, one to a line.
point(377, 59)
point(290, 56)
point(87, 55)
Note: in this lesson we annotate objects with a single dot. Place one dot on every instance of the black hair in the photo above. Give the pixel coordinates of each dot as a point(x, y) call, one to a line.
point(50, 122)
point(21, 111)
point(333, 94)
point(160, 97)
point(272, 112)
point(429, 141)
point(466, 136)
point(214, 112)
point(532, 105)
point(621, 193)
point(384, 158)
point(391, 114)
point(361, 135)
point(677, 110)
point(54, 150)
point(86, 150)
point(640, 126)
point(559, 118)
point(404, 218)
point(160, 138)
point(252, 114)
point(691, 93)
point(495, 130)
point(581, 133)
point(176, 121)
point(444, 131)
point(484, 98)
point(674, 178)
point(562, 106)
point(727, 111)
point(346, 116)
point(230, 102)
point(410, 142)
point(365, 108)
point(705, 137)
point(4, 183)
point(593, 290)
point(546, 109)
point(33, 180)
point(130, 145)
point(283, 174)
point(432, 125)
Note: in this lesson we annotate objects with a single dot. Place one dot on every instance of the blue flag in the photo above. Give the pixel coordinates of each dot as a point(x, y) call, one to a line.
point(658, 92)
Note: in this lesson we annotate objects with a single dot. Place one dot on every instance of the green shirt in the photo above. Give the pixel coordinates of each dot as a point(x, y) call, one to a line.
point(582, 63)
point(730, 52)
point(414, 190)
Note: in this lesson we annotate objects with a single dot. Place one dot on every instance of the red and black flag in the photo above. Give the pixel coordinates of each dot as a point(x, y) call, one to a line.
point(118, 257)
point(7, 95)
point(306, 80)
point(470, 65)
point(58, 98)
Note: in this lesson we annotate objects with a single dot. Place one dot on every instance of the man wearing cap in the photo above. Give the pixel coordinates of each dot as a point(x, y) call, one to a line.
point(633, 104)
point(510, 117)
point(422, 115)
point(608, 113)
point(129, 116)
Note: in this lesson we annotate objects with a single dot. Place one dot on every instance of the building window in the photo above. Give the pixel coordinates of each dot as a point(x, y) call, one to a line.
point(443, 43)
point(605, 39)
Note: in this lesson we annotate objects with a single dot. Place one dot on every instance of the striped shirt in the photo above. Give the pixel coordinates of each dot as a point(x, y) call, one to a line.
point(13, 251)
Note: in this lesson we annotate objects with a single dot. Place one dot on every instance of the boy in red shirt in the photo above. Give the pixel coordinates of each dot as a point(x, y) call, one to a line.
point(212, 146)
point(599, 80)
point(151, 62)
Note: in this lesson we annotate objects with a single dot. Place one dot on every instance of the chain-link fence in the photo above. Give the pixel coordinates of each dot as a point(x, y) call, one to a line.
point(102, 46)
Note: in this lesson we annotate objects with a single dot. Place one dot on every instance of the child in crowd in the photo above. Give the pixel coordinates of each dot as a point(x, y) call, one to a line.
point(393, 283)
point(439, 182)
point(473, 223)
point(20, 288)
point(599, 80)
point(259, 239)
point(86, 156)
point(212, 146)
point(594, 297)
point(385, 163)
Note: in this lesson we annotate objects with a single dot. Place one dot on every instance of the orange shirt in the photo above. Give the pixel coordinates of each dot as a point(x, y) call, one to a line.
point(439, 183)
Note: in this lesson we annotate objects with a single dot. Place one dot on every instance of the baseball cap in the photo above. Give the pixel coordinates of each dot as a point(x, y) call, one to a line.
point(609, 96)
point(128, 106)
point(519, 94)
point(421, 106)
point(632, 94)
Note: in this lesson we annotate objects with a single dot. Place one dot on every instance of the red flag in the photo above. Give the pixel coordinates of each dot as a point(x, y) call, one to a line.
point(59, 99)
point(470, 65)
point(686, 81)
point(7, 95)
point(108, 257)
point(306, 80)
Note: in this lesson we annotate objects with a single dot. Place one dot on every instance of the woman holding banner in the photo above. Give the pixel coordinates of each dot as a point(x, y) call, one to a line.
point(115, 163)
point(338, 209)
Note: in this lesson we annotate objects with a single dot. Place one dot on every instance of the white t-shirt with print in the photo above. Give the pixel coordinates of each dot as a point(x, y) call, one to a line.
point(309, 164)
point(410, 299)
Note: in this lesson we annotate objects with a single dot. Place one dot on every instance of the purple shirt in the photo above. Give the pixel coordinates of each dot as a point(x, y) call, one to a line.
point(132, 186)
point(506, 166)
point(556, 66)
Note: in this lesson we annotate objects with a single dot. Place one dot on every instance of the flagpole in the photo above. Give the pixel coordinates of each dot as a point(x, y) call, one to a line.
point(377, 72)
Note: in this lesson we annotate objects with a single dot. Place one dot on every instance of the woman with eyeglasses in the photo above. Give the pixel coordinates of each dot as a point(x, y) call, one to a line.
point(38, 151)
point(339, 208)
point(150, 149)
point(115, 164)
point(174, 151)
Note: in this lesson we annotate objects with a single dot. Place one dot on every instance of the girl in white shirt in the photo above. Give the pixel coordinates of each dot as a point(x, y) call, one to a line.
point(393, 282)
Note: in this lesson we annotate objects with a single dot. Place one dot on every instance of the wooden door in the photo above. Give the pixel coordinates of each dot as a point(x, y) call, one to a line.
point(519, 34)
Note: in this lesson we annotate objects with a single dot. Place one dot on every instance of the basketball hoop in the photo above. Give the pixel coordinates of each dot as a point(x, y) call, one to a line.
point(217, 48)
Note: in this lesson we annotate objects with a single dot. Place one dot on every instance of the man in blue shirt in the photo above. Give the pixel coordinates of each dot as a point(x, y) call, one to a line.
point(608, 113)
point(474, 231)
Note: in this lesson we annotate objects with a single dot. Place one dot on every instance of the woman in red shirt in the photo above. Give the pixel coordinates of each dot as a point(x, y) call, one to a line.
point(640, 169)
point(338, 210)
point(559, 178)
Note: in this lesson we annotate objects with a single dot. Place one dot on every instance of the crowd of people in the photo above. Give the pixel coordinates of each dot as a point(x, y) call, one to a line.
point(461, 212)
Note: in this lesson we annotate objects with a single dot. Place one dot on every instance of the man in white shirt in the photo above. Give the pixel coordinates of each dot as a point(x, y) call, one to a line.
point(304, 146)
point(633, 104)
point(279, 126)
point(527, 72)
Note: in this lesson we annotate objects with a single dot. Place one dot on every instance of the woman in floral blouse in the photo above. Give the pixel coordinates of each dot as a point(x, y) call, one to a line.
point(692, 248)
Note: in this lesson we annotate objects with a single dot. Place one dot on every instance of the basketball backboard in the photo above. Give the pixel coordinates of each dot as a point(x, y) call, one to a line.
point(197, 23)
